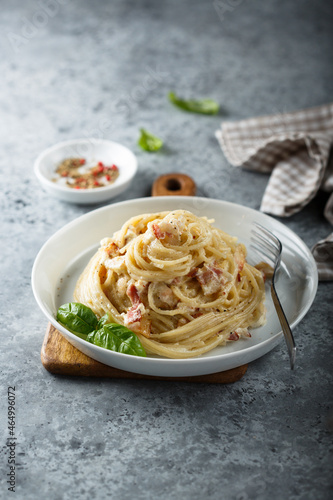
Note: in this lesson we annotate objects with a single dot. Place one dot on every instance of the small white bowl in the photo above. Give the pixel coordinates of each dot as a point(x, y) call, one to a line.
point(91, 150)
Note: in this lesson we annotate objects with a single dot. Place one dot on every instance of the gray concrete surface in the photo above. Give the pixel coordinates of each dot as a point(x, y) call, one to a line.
point(73, 68)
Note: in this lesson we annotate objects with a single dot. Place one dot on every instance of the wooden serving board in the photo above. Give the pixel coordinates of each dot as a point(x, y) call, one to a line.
point(60, 357)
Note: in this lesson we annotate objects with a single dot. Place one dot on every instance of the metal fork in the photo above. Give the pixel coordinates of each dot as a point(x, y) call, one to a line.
point(267, 245)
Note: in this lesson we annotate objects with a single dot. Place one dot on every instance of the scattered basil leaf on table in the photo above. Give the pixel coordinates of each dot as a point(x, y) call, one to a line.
point(117, 338)
point(149, 142)
point(203, 106)
point(77, 318)
point(81, 320)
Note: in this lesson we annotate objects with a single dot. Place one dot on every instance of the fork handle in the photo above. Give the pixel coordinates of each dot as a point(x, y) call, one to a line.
point(285, 327)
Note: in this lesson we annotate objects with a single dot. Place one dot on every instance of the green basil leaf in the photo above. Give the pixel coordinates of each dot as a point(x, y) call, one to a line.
point(103, 321)
point(117, 338)
point(77, 318)
point(203, 106)
point(149, 142)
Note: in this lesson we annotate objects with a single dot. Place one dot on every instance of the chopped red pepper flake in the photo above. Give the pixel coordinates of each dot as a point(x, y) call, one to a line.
point(82, 161)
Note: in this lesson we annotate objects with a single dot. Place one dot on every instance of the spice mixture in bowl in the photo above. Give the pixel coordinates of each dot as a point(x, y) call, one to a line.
point(79, 174)
point(86, 171)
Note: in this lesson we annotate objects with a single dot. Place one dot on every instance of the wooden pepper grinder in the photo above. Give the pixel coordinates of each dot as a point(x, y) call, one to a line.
point(174, 185)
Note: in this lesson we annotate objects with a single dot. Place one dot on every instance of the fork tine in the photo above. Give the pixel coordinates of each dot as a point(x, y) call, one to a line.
point(264, 244)
point(273, 239)
point(260, 251)
point(265, 237)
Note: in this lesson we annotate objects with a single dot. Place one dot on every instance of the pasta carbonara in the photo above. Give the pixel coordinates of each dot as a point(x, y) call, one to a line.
point(182, 285)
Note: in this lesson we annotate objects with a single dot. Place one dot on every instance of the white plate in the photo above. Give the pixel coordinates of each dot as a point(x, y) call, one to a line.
point(92, 150)
point(64, 256)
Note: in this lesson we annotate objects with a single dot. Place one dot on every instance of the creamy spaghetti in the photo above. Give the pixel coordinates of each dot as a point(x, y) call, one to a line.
point(182, 285)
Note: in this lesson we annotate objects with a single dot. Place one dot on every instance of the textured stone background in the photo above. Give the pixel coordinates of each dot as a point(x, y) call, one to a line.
point(104, 69)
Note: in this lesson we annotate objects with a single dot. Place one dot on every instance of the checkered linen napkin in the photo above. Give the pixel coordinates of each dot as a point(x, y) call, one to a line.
point(295, 148)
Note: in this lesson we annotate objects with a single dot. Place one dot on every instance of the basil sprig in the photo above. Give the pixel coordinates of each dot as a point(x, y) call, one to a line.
point(149, 142)
point(82, 321)
point(203, 106)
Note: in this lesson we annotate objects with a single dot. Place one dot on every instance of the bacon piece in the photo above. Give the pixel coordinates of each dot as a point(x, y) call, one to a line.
point(112, 250)
point(243, 332)
point(197, 313)
point(135, 315)
point(159, 234)
point(132, 293)
point(138, 293)
point(240, 332)
point(210, 278)
point(170, 232)
point(233, 336)
point(193, 272)
point(165, 298)
point(142, 290)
